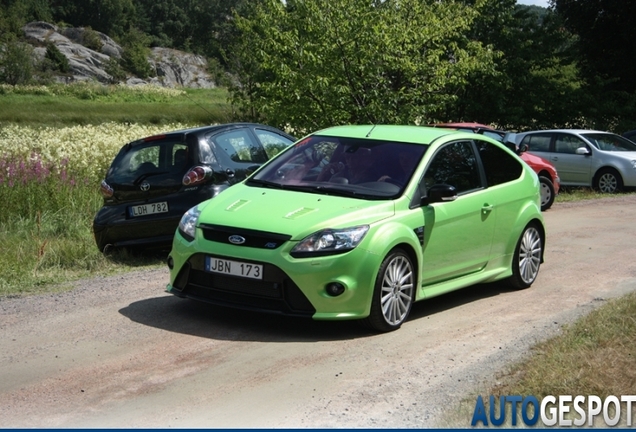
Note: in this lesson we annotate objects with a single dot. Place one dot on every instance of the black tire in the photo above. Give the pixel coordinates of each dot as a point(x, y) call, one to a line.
point(608, 180)
point(527, 258)
point(547, 192)
point(393, 293)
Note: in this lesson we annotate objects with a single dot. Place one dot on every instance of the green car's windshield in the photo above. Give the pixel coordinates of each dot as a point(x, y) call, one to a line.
point(610, 142)
point(343, 166)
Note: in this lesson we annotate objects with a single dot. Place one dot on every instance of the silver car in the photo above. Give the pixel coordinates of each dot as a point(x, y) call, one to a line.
point(602, 160)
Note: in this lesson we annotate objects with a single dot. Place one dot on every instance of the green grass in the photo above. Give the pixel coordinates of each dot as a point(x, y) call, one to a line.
point(569, 194)
point(94, 104)
point(46, 238)
point(596, 355)
point(48, 206)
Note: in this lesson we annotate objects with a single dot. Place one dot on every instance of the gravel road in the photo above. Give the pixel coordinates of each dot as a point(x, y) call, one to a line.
point(120, 352)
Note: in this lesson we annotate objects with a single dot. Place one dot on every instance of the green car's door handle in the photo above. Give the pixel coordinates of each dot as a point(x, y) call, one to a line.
point(486, 208)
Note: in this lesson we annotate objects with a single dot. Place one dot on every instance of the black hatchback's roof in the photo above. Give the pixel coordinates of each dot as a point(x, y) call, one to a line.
point(205, 129)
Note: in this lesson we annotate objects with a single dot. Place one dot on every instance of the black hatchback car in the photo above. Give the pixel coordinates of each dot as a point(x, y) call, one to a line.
point(153, 181)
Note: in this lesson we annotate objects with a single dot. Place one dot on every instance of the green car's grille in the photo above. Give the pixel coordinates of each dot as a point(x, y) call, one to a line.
point(247, 237)
point(276, 292)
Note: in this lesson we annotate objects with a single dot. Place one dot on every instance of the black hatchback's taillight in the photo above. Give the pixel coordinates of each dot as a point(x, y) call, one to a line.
point(106, 190)
point(197, 175)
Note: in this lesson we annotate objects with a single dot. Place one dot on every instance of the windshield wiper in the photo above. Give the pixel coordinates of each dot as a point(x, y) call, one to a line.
point(319, 189)
point(265, 183)
point(330, 190)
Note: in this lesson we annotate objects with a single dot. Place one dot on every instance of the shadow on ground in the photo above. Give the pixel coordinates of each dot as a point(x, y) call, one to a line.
point(204, 320)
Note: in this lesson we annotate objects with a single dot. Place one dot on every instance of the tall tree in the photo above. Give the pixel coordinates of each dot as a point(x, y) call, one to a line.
point(536, 84)
point(607, 39)
point(200, 26)
point(112, 17)
point(313, 63)
point(14, 14)
point(606, 42)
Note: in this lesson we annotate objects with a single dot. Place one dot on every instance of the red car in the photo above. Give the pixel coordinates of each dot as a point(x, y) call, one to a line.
point(548, 176)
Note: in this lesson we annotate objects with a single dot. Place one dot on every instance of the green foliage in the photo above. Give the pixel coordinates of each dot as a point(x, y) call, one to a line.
point(313, 63)
point(199, 26)
point(493, 61)
point(112, 17)
point(536, 83)
point(16, 63)
point(14, 14)
point(92, 40)
point(115, 70)
point(606, 38)
point(136, 52)
point(58, 60)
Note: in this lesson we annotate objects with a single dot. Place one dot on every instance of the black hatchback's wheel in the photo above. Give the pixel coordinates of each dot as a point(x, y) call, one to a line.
point(393, 293)
point(547, 192)
point(608, 181)
point(527, 258)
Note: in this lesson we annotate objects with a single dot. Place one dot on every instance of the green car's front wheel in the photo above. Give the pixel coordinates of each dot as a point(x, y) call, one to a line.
point(393, 292)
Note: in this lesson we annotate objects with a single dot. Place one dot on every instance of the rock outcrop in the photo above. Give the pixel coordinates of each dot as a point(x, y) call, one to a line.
point(173, 68)
point(178, 68)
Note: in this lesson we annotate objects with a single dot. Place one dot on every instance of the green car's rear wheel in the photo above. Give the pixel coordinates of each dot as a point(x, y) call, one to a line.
point(527, 258)
point(393, 293)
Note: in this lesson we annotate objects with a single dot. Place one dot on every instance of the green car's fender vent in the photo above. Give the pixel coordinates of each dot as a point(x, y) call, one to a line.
point(275, 293)
point(243, 236)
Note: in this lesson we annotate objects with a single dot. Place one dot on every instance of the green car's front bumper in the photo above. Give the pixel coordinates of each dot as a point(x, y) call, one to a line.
point(290, 286)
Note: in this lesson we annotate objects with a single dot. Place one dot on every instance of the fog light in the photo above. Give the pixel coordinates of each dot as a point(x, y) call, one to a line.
point(335, 289)
point(170, 262)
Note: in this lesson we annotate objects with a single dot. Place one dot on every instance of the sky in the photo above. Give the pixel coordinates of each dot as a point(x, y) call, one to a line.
point(542, 3)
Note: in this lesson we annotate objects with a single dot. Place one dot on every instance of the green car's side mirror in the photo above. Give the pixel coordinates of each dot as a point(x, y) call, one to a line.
point(440, 193)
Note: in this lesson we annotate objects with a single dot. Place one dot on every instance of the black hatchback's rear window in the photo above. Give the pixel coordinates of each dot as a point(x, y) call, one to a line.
point(154, 157)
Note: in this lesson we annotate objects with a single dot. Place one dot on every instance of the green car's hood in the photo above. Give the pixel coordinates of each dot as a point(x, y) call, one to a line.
point(290, 212)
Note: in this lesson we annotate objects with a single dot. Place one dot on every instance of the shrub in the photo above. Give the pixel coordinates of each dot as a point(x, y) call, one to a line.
point(16, 63)
point(58, 60)
point(114, 69)
point(91, 39)
point(136, 52)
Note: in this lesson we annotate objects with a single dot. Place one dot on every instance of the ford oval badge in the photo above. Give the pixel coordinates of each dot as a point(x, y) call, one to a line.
point(236, 239)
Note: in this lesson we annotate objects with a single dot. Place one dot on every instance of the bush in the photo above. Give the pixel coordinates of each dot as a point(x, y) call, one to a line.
point(114, 69)
point(16, 63)
point(136, 52)
point(91, 40)
point(58, 60)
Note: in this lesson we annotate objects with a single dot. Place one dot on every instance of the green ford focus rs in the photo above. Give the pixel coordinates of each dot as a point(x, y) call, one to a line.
point(359, 222)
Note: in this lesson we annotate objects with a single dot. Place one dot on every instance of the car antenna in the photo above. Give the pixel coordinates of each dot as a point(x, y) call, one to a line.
point(367, 136)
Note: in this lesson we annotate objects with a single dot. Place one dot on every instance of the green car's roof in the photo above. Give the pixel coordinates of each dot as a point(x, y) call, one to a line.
point(410, 133)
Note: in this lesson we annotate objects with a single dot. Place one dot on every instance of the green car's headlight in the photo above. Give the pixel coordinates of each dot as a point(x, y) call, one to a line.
point(188, 223)
point(330, 242)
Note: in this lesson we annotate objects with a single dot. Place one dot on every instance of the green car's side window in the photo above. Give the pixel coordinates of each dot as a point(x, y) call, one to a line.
point(454, 164)
point(499, 166)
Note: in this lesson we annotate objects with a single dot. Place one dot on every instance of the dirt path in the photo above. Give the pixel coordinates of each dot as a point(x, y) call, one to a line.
point(119, 352)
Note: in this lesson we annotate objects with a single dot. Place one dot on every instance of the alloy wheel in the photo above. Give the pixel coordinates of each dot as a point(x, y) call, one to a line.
point(530, 255)
point(607, 183)
point(397, 290)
